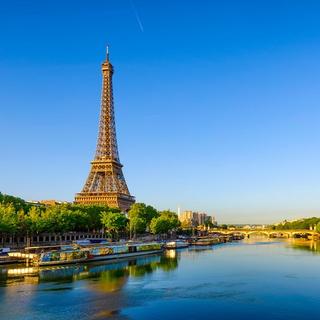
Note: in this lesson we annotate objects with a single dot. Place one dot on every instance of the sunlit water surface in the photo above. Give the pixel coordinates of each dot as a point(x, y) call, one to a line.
point(256, 278)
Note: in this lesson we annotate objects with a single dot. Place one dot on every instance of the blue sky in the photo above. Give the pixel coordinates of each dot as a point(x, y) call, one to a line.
point(217, 102)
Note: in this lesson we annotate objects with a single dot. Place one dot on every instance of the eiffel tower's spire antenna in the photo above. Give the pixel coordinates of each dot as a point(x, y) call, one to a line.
point(107, 52)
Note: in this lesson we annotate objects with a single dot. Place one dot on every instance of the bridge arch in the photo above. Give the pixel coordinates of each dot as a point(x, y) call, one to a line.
point(268, 232)
point(258, 232)
point(302, 233)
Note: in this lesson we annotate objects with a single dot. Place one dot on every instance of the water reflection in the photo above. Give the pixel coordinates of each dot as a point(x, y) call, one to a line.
point(109, 276)
point(293, 243)
point(96, 290)
point(306, 245)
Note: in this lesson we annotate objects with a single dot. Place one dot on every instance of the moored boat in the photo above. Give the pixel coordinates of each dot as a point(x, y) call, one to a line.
point(123, 251)
point(93, 253)
point(33, 253)
point(206, 241)
point(176, 244)
point(203, 242)
point(5, 258)
point(60, 257)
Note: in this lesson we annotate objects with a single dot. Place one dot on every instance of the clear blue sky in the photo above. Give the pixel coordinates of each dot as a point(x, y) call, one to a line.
point(217, 102)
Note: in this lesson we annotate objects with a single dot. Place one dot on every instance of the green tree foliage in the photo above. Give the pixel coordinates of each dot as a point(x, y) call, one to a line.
point(150, 213)
point(94, 214)
point(33, 221)
point(143, 211)
point(160, 225)
point(22, 225)
point(20, 217)
point(114, 222)
point(140, 216)
point(54, 219)
point(8, 219)
point(166, 222)
point(302, 224)
point(172, 217)
point(17, 203)
point(137, 225)
point(208, 223)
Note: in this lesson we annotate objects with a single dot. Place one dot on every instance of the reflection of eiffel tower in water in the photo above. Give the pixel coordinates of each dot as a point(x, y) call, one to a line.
point(105, 183)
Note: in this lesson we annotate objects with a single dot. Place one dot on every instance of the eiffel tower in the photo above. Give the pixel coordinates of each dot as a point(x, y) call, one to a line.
point(105, 183)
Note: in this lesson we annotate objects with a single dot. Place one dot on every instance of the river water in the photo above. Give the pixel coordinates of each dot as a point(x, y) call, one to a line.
point(256, 278)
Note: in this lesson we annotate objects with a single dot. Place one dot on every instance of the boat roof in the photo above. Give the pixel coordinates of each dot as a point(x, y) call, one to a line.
point(48, 247)
point(95, 245)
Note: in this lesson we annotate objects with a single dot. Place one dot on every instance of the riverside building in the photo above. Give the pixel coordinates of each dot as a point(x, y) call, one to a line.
point(194, 218)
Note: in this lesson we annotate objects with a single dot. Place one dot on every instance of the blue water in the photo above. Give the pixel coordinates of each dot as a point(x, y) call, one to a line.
point(258, 278)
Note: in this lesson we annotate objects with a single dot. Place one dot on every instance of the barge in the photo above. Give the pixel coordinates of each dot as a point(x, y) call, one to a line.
point(207, 241)
point(78, 254)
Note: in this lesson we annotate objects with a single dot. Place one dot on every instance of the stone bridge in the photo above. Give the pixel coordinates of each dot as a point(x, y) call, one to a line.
point(310, 234)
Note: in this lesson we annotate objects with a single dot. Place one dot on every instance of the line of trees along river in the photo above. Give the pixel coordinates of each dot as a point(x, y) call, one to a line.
point(301, 224)
point(18, 217)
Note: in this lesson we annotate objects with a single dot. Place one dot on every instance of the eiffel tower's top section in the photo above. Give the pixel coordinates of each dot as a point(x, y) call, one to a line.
point(107, 148)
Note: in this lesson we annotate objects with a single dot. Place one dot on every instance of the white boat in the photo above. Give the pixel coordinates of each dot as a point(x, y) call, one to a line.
point(4, 251)
point(177, 244)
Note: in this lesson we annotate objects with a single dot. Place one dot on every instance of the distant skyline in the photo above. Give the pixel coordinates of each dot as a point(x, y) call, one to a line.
point(217, 103)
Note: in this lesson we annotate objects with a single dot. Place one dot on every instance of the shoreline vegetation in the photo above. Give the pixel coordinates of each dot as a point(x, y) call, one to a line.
point(18, 217)
point(312, 223)
point(24, 219)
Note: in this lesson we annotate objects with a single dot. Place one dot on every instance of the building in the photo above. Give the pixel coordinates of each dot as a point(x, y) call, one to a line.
point(195, 219)
point(202, 218)
point(50, 202)
point(105, 183)
point(189, 217)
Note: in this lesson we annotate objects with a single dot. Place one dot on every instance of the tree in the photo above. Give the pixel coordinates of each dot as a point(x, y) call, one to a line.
point(304, 224)
point(172, 217)
point(150, 213)
point(160, 225)
point(82, 220)
point(137, 225)
point(49, 220)
point(18, 216)
point(114, 222)
point(93, 213)
point(166, 222)
point(33, 221)
point(8, 219)
point(140, 216)
point(16, 202)
point(208, 223)
point(318, 227)
point(22, 222)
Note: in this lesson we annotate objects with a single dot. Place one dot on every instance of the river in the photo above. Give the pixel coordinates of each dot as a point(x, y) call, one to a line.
point(255, 278)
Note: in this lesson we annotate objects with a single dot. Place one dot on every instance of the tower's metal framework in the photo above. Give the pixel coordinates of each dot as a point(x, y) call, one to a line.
point(105, 183)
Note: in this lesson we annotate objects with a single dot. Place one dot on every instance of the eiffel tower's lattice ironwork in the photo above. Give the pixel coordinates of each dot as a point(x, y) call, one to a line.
point(105, 183)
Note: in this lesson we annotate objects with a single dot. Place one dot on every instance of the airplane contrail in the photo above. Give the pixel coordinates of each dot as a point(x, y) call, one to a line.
point(137, 15)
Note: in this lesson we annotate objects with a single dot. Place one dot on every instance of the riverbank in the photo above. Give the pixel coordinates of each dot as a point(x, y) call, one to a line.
point(87, 250)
